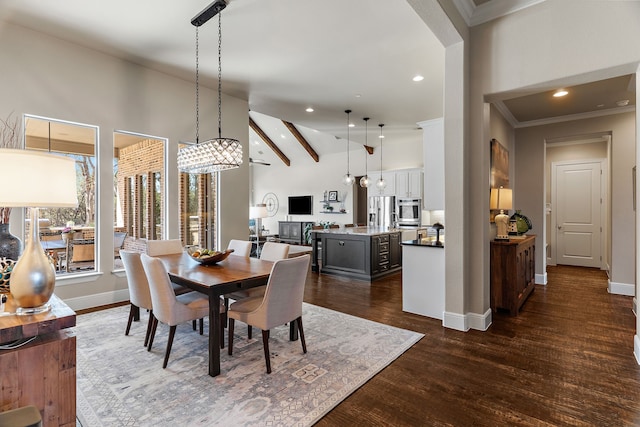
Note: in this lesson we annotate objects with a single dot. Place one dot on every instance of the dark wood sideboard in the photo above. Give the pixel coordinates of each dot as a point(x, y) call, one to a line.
point(43, 371)
point(513, 271)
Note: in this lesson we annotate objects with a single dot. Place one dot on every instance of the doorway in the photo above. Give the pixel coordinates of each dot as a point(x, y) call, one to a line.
point(577, 202)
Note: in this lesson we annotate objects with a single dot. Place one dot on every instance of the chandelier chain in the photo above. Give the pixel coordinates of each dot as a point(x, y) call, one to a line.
point(197, 89)
point(220, 75)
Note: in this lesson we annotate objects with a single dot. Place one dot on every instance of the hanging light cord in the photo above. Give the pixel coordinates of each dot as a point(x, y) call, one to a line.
point(381, 138)
point(348, 112)
point(220, 75)
point(366, 143)
point(197, 91)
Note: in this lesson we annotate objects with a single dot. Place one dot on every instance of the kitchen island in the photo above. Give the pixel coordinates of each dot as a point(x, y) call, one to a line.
point(365, 253)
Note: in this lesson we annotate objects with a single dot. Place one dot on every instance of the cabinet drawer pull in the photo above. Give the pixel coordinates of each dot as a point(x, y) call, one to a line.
point(341, 243)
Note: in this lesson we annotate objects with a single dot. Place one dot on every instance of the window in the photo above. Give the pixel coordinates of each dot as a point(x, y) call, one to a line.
point(77, 141)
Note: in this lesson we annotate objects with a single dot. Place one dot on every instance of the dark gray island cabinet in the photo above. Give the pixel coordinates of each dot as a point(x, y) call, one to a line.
point(362, 252)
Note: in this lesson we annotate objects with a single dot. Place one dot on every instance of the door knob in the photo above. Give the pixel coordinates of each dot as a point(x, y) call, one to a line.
point(559, 227)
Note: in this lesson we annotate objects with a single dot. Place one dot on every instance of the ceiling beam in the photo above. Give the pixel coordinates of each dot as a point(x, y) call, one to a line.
point(301, 139)
point(269, 142)
point(369, 149)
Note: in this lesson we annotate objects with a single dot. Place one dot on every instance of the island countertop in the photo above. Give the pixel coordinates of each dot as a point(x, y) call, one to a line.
point(363, 231)
point(423, 243)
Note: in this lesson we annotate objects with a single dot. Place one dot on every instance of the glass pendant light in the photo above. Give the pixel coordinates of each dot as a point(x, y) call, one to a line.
point(215, 154)
point(348, 179)
point(381, 183)
point(364, 181)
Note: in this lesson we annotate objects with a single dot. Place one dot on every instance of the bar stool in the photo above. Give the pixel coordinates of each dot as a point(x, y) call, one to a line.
point(27, 416)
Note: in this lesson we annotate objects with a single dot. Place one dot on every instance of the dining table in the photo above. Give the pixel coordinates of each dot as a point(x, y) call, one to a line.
point(214, 280)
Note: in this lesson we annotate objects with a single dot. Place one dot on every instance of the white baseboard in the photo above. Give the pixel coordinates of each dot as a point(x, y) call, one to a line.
point(480, 322)
point(455, 321)
point(636, 348)
point(541, 279)
point(96, 300)
point(460, 322)
point(621, 288)
point(635, 307)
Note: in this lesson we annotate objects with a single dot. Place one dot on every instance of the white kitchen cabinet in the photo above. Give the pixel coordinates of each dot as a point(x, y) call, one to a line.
point(409, 184)
point(390, 179)
point(433, 151)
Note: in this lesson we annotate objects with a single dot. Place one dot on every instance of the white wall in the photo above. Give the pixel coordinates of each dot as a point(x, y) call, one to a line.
point(52, 78)
point(306, 177)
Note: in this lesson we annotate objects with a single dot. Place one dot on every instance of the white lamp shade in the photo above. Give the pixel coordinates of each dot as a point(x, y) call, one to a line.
point(37, 179)
point(500, 198)
point(258, 211)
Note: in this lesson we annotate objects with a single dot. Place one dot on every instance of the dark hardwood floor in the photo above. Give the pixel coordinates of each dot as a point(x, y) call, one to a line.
point(566, 360)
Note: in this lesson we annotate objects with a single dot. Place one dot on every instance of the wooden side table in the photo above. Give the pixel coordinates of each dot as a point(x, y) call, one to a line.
point(512, 272)
point(42, 371)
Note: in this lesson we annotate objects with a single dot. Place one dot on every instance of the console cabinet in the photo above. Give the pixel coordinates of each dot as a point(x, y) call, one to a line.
point(292, 232)
point(512, 273)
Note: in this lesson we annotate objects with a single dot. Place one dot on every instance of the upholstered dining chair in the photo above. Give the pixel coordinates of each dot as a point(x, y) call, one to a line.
point(139, 294)
point(240, 247)
point(168, 308)
point(271, 251)
point(164, 247)
point(281, 303)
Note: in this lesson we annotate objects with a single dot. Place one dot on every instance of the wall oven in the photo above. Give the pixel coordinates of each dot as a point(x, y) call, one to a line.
point(409, 212)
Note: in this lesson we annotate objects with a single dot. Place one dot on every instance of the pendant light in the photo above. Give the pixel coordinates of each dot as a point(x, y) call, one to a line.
point(348, 179)
point(364, 181)
point(219, 153)
point(381, 183)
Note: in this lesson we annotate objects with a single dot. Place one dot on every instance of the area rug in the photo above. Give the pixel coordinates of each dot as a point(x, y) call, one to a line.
point(119, 383)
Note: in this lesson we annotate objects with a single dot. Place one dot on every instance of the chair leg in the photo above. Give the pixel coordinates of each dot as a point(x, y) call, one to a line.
point(193, 323)
point(136, 313)
point(231, 324)
point(153, 333)
point(226, 310)
point(131, 316)
point(301, 331)
point(172, 332)
point(265, 344)
point(201, 326)
point(149, 326)
point(223, 318)
point(249, 331)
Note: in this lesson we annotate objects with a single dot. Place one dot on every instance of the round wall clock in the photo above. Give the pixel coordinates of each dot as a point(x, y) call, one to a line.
point(271, 200)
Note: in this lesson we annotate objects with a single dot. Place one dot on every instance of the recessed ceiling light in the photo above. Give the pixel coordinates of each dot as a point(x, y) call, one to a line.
point(256, 142)
point(600, 105)
point(282, 136)
point(351, 125)
point(622, 103)
point(358, 95)
point(381, 136)
point(560, 92)
point(309, 110)
point(418, 78)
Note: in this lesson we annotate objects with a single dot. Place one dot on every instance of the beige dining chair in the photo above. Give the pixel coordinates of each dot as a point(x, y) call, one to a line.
point(139, 294)
point(240, 247)
point(164, 247)
point(271, 251)
point(170, 309)
point(281, 303)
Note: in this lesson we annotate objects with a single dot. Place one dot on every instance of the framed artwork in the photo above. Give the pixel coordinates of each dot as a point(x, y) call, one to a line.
point(333, 196)
point(499, 175)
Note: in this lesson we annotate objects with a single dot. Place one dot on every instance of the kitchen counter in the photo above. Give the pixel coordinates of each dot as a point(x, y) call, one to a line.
point(423, 243)
point(365, 253)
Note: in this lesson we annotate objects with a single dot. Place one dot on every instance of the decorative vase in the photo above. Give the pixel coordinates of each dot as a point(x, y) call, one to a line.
point(10, 245)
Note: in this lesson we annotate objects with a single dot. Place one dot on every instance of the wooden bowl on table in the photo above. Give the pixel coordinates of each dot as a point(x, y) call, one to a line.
point(207, 257)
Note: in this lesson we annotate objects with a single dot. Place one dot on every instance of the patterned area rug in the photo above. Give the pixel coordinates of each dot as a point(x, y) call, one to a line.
point(121, 384)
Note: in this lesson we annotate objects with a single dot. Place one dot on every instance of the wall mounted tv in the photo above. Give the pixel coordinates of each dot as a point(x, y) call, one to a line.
point(300, 205)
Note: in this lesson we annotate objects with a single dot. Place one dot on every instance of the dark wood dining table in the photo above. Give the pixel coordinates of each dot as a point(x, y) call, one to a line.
point(232, 274)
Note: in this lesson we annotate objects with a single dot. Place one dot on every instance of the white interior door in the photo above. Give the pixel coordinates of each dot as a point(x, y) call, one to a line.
point(577, 201)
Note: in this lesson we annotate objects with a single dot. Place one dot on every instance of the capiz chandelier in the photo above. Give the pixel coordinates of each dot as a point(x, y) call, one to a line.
point(219, 153)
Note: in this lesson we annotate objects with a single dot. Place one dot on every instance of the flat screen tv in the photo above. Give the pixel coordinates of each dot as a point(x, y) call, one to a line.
point(300, 205)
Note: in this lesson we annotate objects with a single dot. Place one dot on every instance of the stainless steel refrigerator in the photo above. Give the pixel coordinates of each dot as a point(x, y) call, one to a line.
point(382, 211)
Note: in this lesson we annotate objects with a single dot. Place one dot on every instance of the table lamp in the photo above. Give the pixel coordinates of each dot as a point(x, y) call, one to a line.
point(35, 180)
point(258, 212)
point(501, 199)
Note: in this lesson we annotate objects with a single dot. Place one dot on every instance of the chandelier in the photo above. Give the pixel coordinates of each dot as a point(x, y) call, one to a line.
point(219, 153)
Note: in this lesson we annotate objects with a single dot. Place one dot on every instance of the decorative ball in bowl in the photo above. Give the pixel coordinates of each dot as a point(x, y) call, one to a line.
point(208, 256)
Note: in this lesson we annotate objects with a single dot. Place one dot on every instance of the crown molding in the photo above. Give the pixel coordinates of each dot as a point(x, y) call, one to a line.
point(476, 15)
